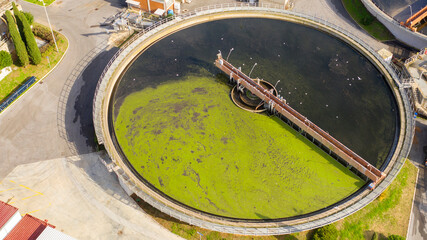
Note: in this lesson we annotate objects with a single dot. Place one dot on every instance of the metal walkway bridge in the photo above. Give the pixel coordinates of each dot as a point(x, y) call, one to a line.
point(278, 105)
point(417, 21)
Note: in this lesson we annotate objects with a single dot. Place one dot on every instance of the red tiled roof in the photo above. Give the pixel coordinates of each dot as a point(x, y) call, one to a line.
point(6, 212)
point(28, 228)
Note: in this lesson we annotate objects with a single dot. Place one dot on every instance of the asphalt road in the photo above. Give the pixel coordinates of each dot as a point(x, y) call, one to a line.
point(54, 119)
point(417, 229)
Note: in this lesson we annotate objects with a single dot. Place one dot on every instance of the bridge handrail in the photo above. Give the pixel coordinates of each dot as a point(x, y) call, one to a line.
point(306, 122)
point(414, 57)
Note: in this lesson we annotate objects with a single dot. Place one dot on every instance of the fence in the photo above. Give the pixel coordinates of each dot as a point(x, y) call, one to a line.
point(17, 93)
point(340, 211)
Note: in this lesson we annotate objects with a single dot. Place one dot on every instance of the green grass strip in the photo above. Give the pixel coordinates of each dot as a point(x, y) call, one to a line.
point(364, 19)
point(47, 2)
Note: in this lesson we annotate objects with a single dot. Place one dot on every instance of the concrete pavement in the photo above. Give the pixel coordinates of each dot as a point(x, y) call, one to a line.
point(417, 229)
point(81, 198)
point(31, 129)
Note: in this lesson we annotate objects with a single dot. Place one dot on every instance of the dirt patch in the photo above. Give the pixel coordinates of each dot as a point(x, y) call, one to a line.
point(157, 132)
point(178, 107)
point(161, 182)
point(136, 110)
point(195, 116)
point(199, 90)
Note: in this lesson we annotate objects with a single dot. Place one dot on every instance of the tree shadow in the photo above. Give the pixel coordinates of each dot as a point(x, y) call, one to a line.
point(286, 237)
point(117, 3)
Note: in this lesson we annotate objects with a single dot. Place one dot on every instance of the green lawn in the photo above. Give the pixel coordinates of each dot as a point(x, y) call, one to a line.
point(20, 74)
point(388, 214)
point(360, 14)
point(190, 141)
point(47, 2)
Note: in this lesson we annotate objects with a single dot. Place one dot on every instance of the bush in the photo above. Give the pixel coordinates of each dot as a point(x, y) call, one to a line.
point(20, 49)
point(367, 20)
point(328, 232)
point(42, 32)
point(29, 17)
point(28, 36)
point(375, 236)
point(395, 237)
point(45, 34)
point(5, 59)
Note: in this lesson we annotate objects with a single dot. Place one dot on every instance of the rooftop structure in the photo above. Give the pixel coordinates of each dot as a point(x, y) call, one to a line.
point(15, 227)
point(29, 228)
point(151, 5)
point(9, 217)
point(50, 233)
point(416, 66)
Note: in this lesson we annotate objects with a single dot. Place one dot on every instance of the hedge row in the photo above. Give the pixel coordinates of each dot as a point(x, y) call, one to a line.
point(21, 51)
point(28, 36)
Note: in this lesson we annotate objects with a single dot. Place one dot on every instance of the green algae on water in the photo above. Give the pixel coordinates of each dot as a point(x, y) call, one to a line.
point(191, 142)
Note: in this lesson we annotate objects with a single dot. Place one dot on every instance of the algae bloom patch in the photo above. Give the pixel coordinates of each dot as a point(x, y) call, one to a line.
point(190, 141)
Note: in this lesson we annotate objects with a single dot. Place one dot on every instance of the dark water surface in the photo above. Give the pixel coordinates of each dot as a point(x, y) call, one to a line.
point(323, 78)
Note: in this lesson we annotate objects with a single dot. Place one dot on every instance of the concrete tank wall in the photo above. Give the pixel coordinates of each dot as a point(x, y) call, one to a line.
point(414, 39)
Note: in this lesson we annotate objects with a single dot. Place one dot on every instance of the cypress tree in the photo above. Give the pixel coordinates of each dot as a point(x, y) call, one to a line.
point(28, 36)
point(21, 51)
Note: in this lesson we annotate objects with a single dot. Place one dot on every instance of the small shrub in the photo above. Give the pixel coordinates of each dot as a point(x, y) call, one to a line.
point(175, 228)
point(29, 16)
point(213, 236)
point(367, 20)
point(44, 33)
point(395, 237)
point(20, 49)
point(328, 232)
point(375, 236)
point(28, 36)
point(191, 231)
point(5, 59)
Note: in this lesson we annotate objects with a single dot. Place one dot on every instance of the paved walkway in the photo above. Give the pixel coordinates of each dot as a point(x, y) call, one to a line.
point(81, 198)
point(417, 229)
point(33, 129)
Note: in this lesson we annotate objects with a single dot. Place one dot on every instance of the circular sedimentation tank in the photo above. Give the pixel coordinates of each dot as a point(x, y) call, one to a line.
point(174, 129)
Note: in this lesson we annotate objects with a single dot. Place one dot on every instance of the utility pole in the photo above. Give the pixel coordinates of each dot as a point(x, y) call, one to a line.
point(48, 21)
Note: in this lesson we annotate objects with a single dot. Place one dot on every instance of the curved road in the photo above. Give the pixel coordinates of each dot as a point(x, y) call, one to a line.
point(29, 129)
